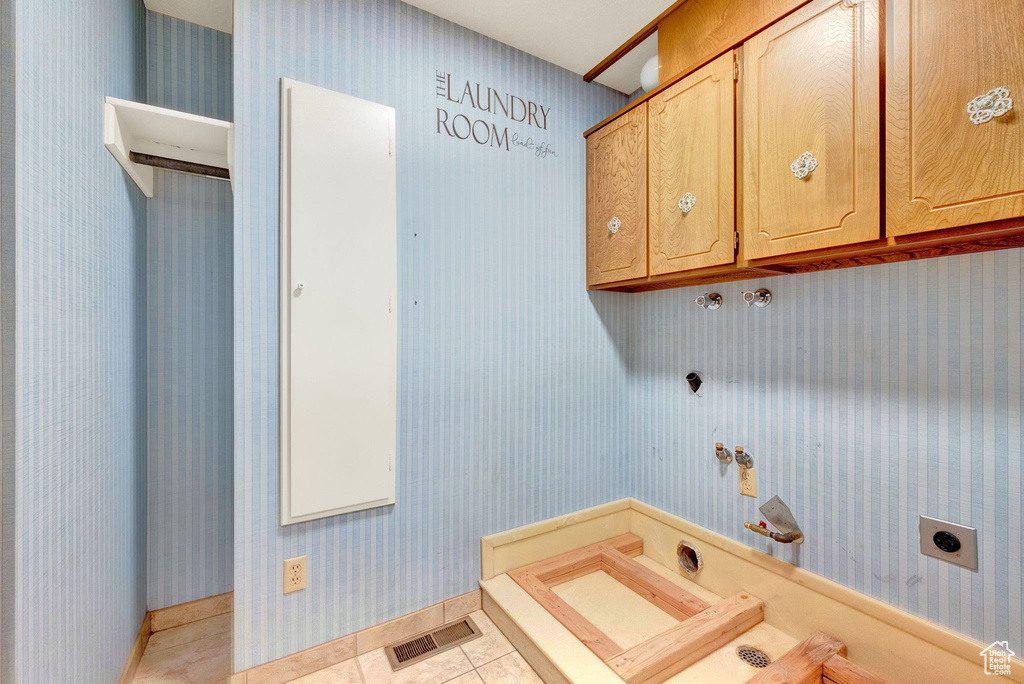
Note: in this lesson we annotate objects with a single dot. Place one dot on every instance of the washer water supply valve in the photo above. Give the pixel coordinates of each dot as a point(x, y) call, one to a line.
point(761, 298)
point(709, 301)
point(723, 454)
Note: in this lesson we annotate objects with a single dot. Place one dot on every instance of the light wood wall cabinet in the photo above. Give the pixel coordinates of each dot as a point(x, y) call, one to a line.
point(692, 168)
point(698, 29)
point(617, 199)
point(950, 163)
point(788, 159)
point(810, 87)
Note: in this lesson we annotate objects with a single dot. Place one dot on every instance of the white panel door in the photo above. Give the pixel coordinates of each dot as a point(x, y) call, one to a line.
point(339, 320)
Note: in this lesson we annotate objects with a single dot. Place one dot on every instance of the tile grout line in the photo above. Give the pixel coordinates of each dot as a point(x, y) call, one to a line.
point(359, 670)
point(476, 668)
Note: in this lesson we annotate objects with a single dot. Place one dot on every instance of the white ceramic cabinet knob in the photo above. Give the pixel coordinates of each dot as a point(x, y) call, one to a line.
point(803, 165)
point(687, 202)
point(995, 102)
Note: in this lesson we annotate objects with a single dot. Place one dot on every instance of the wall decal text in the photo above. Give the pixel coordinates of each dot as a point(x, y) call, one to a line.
point(487, 100)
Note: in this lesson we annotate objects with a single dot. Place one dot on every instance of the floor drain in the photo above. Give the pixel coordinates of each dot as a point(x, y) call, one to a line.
point(754, 657)
point(424, 645)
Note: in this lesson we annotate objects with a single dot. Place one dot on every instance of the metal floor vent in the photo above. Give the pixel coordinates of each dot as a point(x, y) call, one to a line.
point(754, 657)
point(412, 651)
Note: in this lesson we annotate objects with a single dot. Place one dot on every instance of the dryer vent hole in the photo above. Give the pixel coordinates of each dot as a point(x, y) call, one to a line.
point(689, 556)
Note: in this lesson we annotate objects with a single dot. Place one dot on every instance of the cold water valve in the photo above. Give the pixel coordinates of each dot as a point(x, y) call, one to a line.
point(761, 298)
point(743, 459)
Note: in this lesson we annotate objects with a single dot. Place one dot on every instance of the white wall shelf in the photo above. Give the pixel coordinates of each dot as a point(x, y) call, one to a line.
point(134, 127)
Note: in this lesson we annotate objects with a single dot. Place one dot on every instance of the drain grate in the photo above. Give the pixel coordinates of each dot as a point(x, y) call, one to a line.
point(412, 651)
point(754, 657)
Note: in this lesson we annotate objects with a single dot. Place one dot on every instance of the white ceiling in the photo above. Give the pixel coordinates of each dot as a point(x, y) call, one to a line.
point(215, 14)
point(574, 34)
point(624, 75)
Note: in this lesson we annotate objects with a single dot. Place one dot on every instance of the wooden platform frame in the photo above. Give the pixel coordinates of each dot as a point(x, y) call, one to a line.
point(703, 628)
point(818, 659)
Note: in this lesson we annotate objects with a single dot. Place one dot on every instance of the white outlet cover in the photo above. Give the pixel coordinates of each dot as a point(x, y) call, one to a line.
point(294, 574)
point(748, 482)
point(966, 556)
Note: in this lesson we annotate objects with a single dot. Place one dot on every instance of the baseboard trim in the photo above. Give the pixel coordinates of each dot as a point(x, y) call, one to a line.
point(193, 611)
point(138, 648)
point(166, 618)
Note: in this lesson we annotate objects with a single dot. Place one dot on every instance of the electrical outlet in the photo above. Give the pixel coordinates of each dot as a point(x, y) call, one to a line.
point(294, 574)
point(748, 482)
point(950, 542)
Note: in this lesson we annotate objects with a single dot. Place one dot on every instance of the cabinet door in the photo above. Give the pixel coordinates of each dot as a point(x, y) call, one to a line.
point(943, 169)
point(810, 95)
point(617, 199)
point(692, 161)
point(338, 360)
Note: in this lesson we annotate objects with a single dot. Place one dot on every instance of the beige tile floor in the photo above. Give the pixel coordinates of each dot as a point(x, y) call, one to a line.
point(196, 653)
point(199, 653)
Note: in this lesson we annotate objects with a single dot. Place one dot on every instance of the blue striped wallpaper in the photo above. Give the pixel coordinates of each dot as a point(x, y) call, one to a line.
point(188, 67)
point(510, 378)
point(8, 261)
point(74, 525)
point(189, 289)
point(866, 396)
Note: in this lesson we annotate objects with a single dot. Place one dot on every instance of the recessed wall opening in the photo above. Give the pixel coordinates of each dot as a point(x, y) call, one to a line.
point(689, 556)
